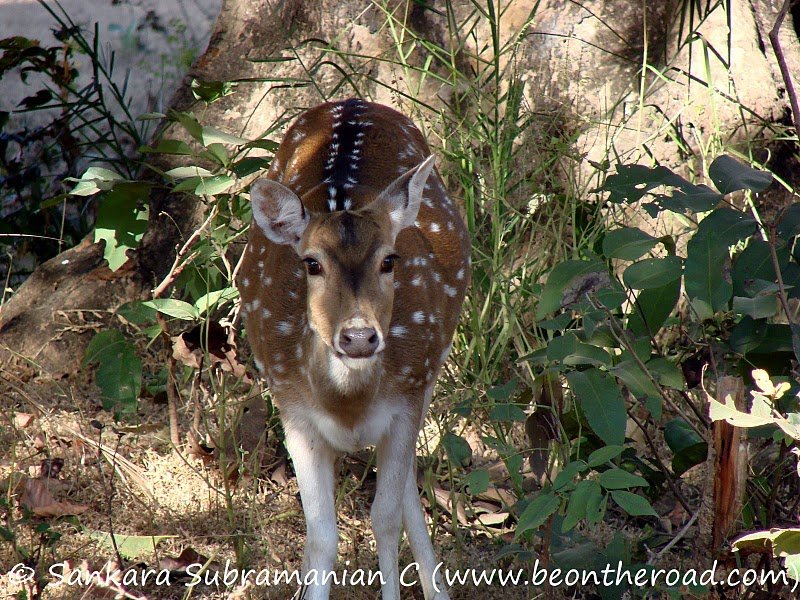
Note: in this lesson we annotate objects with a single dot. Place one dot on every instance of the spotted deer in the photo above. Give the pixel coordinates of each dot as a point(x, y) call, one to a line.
point(351, 286)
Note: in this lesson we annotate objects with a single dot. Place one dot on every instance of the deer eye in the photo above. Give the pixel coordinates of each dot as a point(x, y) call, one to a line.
point(387, 265)
point(312, 266)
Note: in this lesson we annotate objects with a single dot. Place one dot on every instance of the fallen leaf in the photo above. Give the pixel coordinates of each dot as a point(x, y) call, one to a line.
point(493, 519)
point(38, 499)
point(187, 557)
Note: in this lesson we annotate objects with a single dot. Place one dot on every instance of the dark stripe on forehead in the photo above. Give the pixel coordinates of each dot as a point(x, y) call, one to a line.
point(344, 152)
point(347, 230)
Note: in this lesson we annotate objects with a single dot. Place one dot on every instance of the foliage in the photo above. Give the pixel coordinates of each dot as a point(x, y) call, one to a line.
point(782, 542)
point(722, 287)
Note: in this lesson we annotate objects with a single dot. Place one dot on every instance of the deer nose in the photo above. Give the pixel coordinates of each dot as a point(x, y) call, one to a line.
point(359, 342)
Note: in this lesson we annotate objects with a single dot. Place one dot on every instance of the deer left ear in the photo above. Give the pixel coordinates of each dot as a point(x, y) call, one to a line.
point(278, 212)
point(403, 196)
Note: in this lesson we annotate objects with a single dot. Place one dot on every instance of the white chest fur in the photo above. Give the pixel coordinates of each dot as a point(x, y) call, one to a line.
point(367, 431)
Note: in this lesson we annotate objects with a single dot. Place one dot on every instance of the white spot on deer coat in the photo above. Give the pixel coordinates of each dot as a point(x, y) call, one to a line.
point(418, 317)
point(398, 330)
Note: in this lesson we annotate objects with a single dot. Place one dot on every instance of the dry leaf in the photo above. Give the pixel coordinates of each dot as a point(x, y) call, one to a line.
point(189, 347)
point(279, 474)
point(187, 557)
point(37, 498)
point(493, 519)
point(23, 420)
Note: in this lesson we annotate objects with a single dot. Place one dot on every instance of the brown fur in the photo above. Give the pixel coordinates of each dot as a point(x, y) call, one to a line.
point(351, 245)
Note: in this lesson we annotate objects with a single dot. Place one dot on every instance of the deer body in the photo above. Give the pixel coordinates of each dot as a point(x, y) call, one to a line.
point(351, 286)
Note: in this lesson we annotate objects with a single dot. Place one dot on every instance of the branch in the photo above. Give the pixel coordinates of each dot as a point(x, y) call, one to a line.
point(787, 77)
point(176, 269)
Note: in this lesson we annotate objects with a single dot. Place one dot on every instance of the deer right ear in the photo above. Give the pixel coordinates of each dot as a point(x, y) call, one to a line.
point(278, 212)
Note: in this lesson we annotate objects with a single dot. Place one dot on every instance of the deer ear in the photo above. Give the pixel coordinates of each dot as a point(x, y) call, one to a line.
point(278, 212)
point(403, 196)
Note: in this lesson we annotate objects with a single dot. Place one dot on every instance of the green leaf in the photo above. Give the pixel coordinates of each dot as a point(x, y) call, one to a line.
point(174, 308)
point(514, 467)
point(704, 275)
point(666, 372)
point(457, 449)
point(633, 504)
point(688, 448)
point(129, 546)
point(754, 262)
point(729, 175)
point(537, 512)
point(602, 455)
point(633, 182)
point(596, 508)
point(211, 186)
point(264, 144)
point(190, 171)
point(636, 380)
point(568, 350)
point(719, 411)
point(616, 479)
point(249, 165)
point(211, 91)
point(212, 135)
point(652, 308)
point(559, 280)
point(586, 493)
point(507, 412)
point(727, 226)
point(655, 406)
point(169, 146)
point(478, 481)
point(748, 335)
point(103, 342)
point(120, 223)
point(565, 476)
point(188, 185)
point(601, 401)
point(93, 180)
point(627, 243)
point(789, 222)
point(217, 153)
point(503, 392)
point(137, 313)
point(792, 564)
point(693, 198)
point(759, 307)
point(189, 122)
point(653, 273)
point(119, 371)
point(214, 299)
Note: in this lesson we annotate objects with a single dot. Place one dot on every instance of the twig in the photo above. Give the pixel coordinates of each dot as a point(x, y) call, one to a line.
point(172, 396)
point(673, 486)
point(781, 287)
point(174, 271)
point(787, 77)
point(681, 534)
